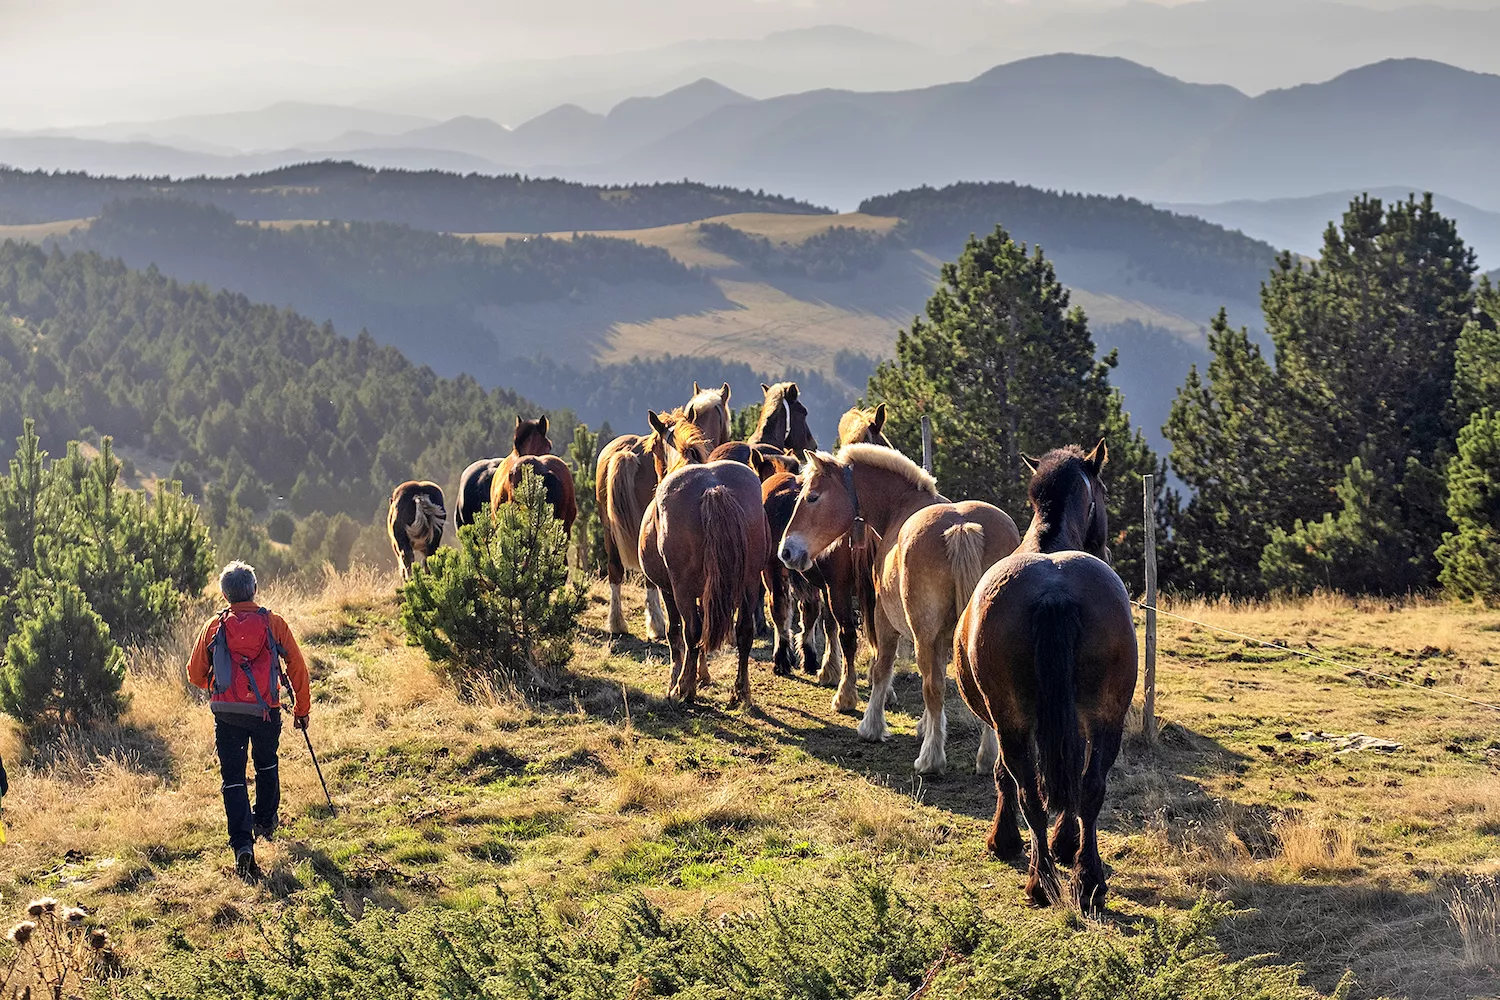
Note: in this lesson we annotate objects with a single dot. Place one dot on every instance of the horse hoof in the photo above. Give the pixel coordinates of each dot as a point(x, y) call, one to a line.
point(828, 678)
point(1037, 893)
point(1005, 846)
point(985, 763)
point(874, 734)
point(930, 768)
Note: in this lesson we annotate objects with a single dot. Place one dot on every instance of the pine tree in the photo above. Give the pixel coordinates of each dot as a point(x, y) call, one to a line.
point(1365, 343)
point(62, 670)
point(1470, 554)
point(1476, 367)
point(588, 529)
point(1002, 365)
point(498, 608)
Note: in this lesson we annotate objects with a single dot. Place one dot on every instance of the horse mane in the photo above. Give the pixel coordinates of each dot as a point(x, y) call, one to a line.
point(890, 460)
point(858, 420)
point(705, 398)
point(686, 434)
point(775, 399)
point(1054, 475)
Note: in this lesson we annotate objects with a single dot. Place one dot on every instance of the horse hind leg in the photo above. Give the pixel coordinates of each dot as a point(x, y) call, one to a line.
point(676, 640)
point(616, 572)
point(933, 729)
point(988, 756)
point(692, 635)
point(1041, 883)
point(744, 636)
point(1088, 868)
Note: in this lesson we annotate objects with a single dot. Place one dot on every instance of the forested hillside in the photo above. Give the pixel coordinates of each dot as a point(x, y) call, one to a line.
point(428, 199)
point(258, 398)
point(1175, 251)
point(419, 291)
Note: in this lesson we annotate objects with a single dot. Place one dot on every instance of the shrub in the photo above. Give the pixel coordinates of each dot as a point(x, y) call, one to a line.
point(498, 609)
point(280, 526)
point(62, 670)
point(859, 940)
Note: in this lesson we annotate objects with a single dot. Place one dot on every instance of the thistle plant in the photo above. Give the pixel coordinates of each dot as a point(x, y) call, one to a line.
point(58, 952)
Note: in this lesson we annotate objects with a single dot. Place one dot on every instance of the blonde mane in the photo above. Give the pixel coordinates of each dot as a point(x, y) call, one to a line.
point(706, 398)
point(878, 457)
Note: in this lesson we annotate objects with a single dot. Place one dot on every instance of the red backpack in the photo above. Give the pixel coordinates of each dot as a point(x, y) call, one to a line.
point(247, 664)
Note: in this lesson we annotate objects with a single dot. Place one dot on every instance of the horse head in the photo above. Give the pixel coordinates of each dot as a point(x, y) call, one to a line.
point(861, 425)
point(708, 410)
point(531, 436)
point(675, 441)
point(826, 511)
point(1068, 499)
point(783, 420)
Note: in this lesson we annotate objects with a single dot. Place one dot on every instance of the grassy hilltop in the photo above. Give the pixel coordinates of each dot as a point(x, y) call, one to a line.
point(603, 792)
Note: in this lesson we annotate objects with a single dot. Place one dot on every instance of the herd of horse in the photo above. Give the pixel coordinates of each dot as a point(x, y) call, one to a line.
point(1038, 626)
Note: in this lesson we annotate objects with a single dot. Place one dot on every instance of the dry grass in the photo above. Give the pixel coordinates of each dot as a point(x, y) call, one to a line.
point(1475, 908)
point(37, 232)
point(1337, 861)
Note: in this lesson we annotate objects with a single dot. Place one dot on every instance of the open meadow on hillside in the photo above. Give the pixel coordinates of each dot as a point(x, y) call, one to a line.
point(599, 791)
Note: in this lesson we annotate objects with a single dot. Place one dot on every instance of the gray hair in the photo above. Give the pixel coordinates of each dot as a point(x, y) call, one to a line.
point(237, 582)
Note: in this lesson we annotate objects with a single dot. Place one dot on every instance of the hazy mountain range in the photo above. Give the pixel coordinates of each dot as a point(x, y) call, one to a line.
point(1072, 122)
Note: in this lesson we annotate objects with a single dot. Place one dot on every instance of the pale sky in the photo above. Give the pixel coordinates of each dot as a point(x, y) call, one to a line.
point(74, 62)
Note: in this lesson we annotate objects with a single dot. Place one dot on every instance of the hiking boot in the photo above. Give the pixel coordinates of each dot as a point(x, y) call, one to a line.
point(244, 863)
point(266, 833)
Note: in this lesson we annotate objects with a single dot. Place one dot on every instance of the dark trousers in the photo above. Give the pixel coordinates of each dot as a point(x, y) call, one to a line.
point(233, 737)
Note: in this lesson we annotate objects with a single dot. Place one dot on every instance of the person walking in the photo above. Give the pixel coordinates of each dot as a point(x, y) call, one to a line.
point(245, 657)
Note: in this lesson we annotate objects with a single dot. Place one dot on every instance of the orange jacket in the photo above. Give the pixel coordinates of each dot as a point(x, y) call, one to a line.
point(200, 669)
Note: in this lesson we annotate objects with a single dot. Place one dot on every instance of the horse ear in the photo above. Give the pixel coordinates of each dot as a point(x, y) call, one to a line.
point(791, 392)
point(1031, 463)
point(1097, 457)
point(691, 413)
point(656, 422)
point(541, 425)
point(518, 421)
point(696, 390)
point(764, 387)
point(725, 393)
point(879, 417)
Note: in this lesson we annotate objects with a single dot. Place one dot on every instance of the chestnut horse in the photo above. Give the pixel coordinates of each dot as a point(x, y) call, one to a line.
point(708, 410)
point(415, 522)
point(704, 542)
point(477, 483)
point(928, 554)
point(1046, 655)
point(531, 450)
point(783, 420)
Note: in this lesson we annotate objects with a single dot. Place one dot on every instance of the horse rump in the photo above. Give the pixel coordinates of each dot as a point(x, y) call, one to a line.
point(1056, 628)
point(725, 544)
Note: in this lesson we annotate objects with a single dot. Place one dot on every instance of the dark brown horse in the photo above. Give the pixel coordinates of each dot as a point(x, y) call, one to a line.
point(415, 523)
point(767, 460)
point(531, 449)
point(927, 556)
point(704, 542)
point(1046, 655)
point(474, 488)
point(783, 420)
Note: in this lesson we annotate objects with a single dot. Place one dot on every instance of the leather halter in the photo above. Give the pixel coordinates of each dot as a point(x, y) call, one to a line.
point(857, 529)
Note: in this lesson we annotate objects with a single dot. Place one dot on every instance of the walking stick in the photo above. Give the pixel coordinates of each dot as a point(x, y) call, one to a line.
point(331, 810)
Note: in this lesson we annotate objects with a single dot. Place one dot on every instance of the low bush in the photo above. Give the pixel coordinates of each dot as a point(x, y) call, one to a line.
point(861, 940)
point(498, 609)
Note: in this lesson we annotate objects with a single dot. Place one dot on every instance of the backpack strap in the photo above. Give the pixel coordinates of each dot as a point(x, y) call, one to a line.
point(278, 653)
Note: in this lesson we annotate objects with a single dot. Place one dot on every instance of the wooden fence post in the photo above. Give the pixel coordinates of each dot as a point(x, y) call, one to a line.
point(1149, 503)
point(927, 444)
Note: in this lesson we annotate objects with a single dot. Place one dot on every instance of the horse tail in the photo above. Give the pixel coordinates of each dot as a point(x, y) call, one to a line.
point(1056, 629)
point(725, 544)
point(965, 545)
point(623, 509)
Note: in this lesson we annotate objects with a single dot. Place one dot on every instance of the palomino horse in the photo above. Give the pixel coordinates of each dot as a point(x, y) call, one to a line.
point(531, 450)
point(1046, 655)
point(415, 523)
point(704, 542)
point(476, 485)
point(861, 425)
point(928, 555)
point(783, 420)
